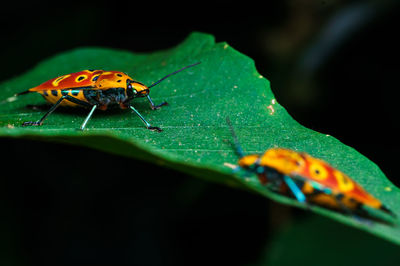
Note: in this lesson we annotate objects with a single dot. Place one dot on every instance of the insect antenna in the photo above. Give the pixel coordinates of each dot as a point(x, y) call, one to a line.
point(21, 93)
point(238, 149)
point(14, 97)
point(173, 73)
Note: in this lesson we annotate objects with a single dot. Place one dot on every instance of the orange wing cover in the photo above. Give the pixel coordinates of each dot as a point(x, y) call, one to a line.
point(300, 164)
point(85, 78)
point(330, 177)
point(96, 79)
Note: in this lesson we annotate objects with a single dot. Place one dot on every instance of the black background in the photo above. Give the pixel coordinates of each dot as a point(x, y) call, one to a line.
point(62, 206)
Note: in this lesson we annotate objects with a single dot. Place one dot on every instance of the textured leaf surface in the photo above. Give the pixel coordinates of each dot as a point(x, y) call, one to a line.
point(195, 137)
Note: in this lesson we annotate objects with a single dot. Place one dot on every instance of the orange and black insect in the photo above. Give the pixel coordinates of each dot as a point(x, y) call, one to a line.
point(95, 89)
point(308, 179)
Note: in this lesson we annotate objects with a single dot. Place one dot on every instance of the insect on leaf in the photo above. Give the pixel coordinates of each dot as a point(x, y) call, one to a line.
point(195, 137)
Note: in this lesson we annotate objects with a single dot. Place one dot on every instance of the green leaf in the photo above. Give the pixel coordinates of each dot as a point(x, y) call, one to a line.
point(196, 139)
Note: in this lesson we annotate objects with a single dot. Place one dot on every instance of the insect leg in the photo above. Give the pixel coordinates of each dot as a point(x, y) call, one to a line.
point(77, 101)
point(295, 189)
point(153, 106)
point(88, 117)
point(40, 121)
point(144, 120)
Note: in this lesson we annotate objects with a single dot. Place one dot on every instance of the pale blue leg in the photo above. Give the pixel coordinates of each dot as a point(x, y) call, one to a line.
point(144, 120)
point(88, 117)
point(295, 189)
point(153, 106)
point(236, 169)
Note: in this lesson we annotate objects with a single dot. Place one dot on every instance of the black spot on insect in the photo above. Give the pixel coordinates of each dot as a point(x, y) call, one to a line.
point(317, 171)
point(54, 92)
point(45, 93)
point(91, 70)
point(119, 80)
point(95, 78)
point(119, 75)
point(81, 78)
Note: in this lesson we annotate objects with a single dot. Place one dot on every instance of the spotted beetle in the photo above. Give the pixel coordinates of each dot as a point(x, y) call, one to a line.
point(307, 179)
point(95, 89)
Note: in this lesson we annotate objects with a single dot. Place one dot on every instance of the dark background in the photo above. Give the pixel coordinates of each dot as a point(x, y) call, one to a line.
point(332, 64)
